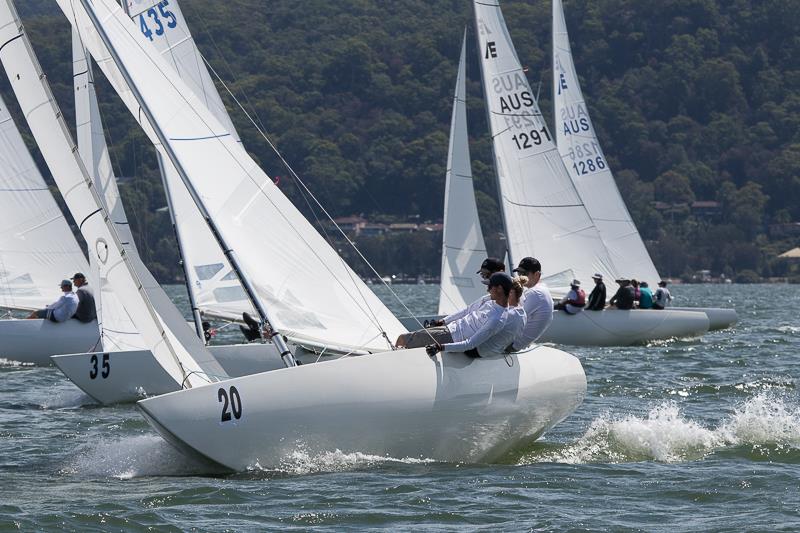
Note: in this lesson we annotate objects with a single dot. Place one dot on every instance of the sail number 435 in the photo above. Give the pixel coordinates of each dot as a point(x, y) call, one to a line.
point(156, 17)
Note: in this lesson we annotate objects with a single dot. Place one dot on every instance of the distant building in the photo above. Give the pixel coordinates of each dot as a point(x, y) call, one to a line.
point(706, 209)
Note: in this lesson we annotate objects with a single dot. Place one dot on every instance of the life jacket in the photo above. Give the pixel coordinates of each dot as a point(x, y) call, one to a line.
point(580, 301)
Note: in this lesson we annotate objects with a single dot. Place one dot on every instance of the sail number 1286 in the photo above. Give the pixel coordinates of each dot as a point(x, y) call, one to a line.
point(531, 139)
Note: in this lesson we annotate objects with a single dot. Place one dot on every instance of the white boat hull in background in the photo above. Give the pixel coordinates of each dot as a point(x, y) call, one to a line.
point(34, 341)
point(613, 327)
point(718, 317)
point(125, 377)
point(401, 404)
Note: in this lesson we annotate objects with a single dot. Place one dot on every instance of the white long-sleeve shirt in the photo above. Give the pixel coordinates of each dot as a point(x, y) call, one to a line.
point(465, 323)
point(63, 308)
point(486, 335)
point(538, 306)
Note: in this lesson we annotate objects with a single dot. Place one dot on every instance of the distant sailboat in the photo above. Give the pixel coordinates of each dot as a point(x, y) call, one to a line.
point(583, 157)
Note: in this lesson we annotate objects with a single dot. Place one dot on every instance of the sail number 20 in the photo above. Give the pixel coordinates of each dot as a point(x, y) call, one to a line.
point(156, 18)
point(231, 404)
point(531, 139)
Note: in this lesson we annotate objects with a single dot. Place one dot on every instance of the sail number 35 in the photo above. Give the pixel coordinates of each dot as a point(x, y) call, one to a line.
point(157, 18)
point(231, 404)
point(99, 369)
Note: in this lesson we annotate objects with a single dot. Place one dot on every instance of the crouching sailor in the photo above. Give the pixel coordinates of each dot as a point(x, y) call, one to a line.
point(503, 322)
point(63, 308)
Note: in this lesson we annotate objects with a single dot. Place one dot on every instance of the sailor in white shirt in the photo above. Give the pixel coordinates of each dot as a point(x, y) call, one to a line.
point(463, 323)
point(63, 308)
point(489, 337)
point(537, 303)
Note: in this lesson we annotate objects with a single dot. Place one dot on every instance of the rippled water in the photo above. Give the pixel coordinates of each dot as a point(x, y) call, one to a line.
point(699, 435)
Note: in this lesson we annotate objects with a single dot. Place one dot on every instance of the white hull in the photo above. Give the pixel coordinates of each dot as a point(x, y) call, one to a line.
point(402, 404)
point(34, 341)
point(718, 317)
point(612, 327)
point(133, 375)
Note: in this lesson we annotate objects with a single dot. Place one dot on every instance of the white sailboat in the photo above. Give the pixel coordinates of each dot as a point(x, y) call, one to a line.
point(37, 250)
point(543, 212)
point(584, 159)
point(401, 403)
point(463, 247)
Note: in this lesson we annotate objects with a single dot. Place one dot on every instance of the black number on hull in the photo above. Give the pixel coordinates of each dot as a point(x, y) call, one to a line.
point(230, 399)
point(106, 367)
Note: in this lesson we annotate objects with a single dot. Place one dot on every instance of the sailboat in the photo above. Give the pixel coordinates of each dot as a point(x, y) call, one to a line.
point(590, 172)
point(38, 250)
point(543, 212)
point(400, 403)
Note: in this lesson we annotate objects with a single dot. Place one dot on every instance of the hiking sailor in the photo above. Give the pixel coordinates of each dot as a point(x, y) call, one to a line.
point(574, 301)
point(86, 311)
point(63, 308)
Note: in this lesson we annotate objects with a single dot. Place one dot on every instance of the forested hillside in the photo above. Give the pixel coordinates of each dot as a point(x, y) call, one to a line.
point(693, 100)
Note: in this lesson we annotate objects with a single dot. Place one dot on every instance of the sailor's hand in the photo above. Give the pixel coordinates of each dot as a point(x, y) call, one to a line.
point(437, 323)
point(433, 349)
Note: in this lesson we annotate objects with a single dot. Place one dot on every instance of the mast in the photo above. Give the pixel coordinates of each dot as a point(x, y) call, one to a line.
point(286, 354)
point(497, 179)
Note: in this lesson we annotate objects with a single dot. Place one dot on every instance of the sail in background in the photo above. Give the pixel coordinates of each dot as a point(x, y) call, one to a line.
point(580, 149)
point(463, 247)
point(310, 291)
point(37, 246)
point(543, 214)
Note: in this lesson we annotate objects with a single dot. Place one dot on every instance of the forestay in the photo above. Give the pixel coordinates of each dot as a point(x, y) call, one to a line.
point(588, 167)
point(37, 247)
point(214, 284)
point(543, 214)
point(311, 293)
point(463, 247)
point(52, 135)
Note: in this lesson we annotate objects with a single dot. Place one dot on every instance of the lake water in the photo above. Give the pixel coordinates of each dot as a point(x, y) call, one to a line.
point(700, 435)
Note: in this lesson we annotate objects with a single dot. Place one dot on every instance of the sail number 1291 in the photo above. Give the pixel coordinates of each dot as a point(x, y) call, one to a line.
point(531, 139)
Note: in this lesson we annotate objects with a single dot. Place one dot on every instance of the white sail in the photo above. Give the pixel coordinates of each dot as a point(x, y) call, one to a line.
point(52, 135)
point(543, 214)
point(582, 155)
point(463, 247)
point(214, 285)
point(37, 247)
point(311, 293)
point(118, 331)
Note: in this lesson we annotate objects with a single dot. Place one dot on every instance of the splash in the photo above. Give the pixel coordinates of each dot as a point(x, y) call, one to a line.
point(301, 462)
point(666, 435)
point(14, 364)
point(130, 457)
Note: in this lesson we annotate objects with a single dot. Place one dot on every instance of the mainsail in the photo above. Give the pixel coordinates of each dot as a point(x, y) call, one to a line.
point(121, 269)
point(37, 247)
point(463, 247)
point(588, 167)
point(214, 285)
point(543, 213)
point(311, 293)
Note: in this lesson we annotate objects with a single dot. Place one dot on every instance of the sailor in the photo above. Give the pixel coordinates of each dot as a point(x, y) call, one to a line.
point(462, 323)
point(537, 303)
point(63, 308)
point(492, 336)
point(645, 296)
point(574, 301)
point(624, 297)
point(597, 298)
point(86, 311)
point(662, 297)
